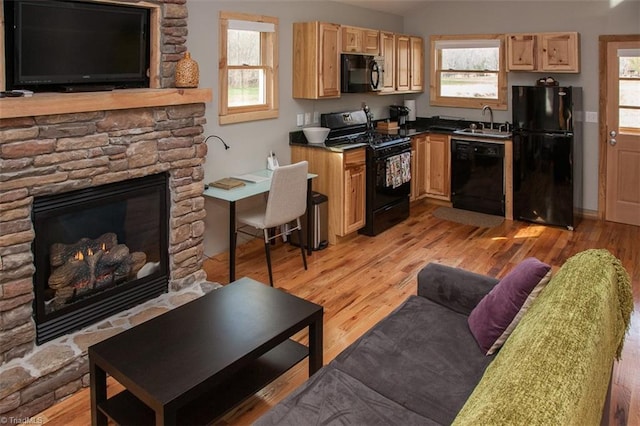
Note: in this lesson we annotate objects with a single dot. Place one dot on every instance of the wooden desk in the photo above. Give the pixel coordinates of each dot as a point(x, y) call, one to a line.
point(246, 191)
point(194, 363)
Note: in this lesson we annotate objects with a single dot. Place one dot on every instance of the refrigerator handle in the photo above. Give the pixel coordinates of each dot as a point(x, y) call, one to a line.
point(568, 123)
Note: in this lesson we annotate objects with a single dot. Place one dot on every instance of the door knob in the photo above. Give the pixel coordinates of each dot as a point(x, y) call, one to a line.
point(613, 142)
point(613, 134)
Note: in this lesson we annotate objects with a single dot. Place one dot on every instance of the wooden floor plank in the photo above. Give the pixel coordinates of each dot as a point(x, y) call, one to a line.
point(363, 279)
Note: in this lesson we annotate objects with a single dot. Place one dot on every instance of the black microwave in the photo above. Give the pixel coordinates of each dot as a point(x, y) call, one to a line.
point(361, 73)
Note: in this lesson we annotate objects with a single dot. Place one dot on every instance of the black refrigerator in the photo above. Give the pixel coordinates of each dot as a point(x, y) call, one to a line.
point(547, 154)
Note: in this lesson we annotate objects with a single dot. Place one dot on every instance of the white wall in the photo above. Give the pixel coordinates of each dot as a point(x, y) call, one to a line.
point(590, 18)
point(251, 142)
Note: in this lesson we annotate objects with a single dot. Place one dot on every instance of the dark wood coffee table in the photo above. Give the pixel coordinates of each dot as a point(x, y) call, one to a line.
point(194, 363)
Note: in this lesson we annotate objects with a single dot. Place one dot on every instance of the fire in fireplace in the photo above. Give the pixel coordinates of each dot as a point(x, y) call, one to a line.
point(98, 251)
point(88, 266)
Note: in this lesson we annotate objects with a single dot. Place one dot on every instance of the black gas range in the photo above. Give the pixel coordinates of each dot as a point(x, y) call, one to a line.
point(352, 127)
point(388, 174)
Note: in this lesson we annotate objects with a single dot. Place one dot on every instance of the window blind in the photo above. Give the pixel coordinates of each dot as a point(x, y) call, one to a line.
point(261, 27)
point(466, 44)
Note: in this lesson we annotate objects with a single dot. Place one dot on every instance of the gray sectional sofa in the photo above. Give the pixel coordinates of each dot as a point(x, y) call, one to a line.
point(421, 364)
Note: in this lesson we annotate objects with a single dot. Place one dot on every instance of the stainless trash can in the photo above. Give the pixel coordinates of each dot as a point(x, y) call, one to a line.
point(319, 221)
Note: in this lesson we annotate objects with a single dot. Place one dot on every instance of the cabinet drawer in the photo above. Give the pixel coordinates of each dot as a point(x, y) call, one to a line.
point(354, 157)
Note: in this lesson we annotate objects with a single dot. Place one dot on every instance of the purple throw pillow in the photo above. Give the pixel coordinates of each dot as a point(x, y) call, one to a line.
point(497, 314)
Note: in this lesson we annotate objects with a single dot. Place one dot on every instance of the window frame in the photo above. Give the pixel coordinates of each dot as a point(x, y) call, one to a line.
point(459, 102)
point(269, 60)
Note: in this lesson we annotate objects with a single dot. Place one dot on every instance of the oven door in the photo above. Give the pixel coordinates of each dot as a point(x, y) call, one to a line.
point(360, 73)
point(392, 167)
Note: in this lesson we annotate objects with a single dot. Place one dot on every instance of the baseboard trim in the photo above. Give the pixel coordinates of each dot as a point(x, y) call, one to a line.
point(588, 214)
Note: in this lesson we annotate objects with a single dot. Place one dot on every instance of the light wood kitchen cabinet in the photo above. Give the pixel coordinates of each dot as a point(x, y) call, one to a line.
point(419, 167)
point(409, 63)
point(438, 179)
point(316, 60)
point(544, 52)
point(403, 63)
point(388, 51)
point(416, 76)
point(431, 167)
point(360, 40)
point(559, 52)
point(342, 178)
point(354, 192)
point(413, 195)
point(521, 52)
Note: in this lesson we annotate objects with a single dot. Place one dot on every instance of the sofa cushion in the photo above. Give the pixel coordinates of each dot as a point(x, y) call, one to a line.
point(498, 313)
point(422, 356)
point(333, 397)
point(454, 288)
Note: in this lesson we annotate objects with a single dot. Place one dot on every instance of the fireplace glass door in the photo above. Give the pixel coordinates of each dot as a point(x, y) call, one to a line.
point(98, 251)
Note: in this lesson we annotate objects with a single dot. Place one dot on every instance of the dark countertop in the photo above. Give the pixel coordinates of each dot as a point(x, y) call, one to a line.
point(422, 125)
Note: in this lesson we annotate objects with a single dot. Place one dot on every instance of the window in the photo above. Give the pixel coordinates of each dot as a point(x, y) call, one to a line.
point(248, 87)
point(629, 89)
point(468, 71)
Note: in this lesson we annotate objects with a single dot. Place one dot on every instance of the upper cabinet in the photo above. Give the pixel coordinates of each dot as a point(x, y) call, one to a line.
point(416, 78)
point(521, 52)
point(360, 40)
point(542, 52)
point(403, 63)
point(409, 68)
point(316, 60)
point(388, 51)
point(559, 52)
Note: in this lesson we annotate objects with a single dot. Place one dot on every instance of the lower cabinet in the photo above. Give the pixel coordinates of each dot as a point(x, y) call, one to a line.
point(342, 178)
point(354, 196)
point(419, 167)
point(414, 178)
point(432, 171)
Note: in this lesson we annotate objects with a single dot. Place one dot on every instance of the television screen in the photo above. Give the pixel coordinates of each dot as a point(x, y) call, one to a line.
point(58, 43)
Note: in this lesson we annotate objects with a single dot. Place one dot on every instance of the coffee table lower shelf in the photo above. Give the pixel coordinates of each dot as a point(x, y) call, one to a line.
point(125, 409)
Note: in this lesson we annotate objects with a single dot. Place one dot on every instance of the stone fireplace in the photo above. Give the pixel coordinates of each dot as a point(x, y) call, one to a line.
point(45, 157)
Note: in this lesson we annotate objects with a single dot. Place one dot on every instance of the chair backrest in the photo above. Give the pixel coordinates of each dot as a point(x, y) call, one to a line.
point(287, 195)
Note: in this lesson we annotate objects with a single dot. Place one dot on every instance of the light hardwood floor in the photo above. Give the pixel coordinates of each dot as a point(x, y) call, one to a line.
point(363, 279)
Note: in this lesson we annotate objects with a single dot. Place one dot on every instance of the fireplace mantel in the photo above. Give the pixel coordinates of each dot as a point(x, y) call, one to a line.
point(65, 103)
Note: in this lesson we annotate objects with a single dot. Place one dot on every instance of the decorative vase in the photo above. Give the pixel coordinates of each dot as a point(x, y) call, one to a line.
point(187, 72)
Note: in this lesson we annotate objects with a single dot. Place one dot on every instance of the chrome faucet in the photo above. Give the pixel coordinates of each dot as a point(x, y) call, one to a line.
point(485, 108)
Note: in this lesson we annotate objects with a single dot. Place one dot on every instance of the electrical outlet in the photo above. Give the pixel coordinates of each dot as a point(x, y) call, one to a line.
point(316, 117)
point(300, 120)
point(307, 118)
point(591, 116)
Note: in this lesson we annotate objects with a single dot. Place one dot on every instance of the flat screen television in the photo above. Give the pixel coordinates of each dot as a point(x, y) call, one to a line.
point(75, 46)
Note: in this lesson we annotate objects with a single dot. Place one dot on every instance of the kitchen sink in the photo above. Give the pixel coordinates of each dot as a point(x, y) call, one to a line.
point(484, 133)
